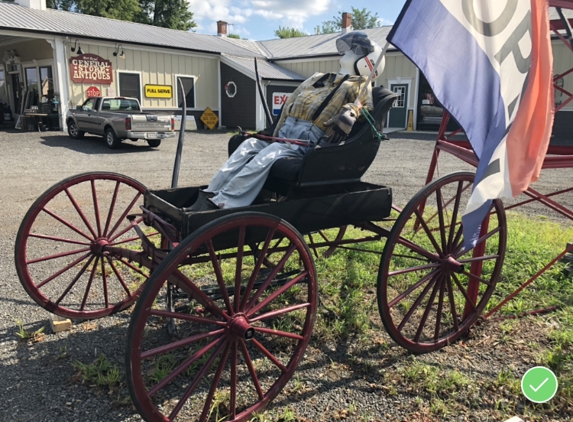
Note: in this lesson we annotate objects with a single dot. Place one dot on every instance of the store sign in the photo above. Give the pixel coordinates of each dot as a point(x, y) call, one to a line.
point(209, 118)
point(279, 98)
point(158, 91)
point(93, 91)
point(91, 69)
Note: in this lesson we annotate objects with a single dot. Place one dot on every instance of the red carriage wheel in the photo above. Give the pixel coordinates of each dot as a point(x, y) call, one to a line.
point(242, 326)
point(74, 246)
point(430, 290)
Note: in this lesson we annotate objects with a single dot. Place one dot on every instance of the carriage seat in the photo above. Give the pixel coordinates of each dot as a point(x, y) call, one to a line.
point(334, 163)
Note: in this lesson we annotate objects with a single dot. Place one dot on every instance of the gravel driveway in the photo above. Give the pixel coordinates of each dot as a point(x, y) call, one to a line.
point(36, 379)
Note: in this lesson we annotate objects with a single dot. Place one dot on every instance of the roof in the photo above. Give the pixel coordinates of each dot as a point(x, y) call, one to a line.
point(16, 17)
point(314, 45)
point(267, 70)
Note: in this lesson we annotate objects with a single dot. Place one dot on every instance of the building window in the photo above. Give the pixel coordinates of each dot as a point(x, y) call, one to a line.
point(3, 95)
point(130, 85)
point(32, 86)
point(189, 88)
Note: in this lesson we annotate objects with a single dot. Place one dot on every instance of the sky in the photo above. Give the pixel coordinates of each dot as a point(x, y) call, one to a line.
point(258, 19)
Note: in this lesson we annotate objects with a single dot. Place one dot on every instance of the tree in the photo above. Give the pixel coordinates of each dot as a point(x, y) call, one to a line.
point(289, 32)
point(361, 19)
point(236, 36)
point(172, 14)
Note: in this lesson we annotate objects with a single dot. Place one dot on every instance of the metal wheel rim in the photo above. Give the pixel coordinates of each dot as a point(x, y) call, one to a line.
point(24, 236)
point(74, 129)
point(109, 138)
point(138, 321)
point(442, 277)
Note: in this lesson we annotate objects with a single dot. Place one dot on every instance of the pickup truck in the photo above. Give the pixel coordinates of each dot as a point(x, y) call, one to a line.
point(117, 119)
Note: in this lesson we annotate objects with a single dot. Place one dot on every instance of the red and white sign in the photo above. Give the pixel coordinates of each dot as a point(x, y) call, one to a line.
point(91, 69)
point(93, 91)
point(279, 98)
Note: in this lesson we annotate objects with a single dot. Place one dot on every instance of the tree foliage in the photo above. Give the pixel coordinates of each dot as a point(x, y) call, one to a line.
point(361, 19)
point(172, 14)
point(287, 32)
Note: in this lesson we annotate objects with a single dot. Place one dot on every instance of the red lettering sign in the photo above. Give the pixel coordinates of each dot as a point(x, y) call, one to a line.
point(93, 91)
point(91, 69)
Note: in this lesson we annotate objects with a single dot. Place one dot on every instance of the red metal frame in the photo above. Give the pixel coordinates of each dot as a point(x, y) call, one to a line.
point(558, 157)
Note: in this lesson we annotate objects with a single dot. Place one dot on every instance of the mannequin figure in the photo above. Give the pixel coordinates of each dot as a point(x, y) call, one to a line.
point(321, 110)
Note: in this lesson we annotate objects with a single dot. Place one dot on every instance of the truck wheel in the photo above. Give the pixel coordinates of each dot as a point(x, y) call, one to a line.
point(154, 143)
point(74, 131)
point(111, 139)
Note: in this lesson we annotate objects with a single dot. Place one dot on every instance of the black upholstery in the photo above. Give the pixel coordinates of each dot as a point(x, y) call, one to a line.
point(331, 164)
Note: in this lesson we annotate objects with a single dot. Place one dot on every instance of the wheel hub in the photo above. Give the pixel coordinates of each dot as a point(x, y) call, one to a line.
point(239, 327)
point(452, 265)
point(98, 245)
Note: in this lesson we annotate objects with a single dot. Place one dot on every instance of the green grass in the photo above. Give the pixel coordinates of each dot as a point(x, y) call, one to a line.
point(101, 373)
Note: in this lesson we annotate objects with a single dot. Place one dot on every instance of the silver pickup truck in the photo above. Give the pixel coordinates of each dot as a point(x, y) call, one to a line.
point(117, 119)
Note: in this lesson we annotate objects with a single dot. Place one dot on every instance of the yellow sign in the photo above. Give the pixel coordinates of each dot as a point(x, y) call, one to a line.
point(410, 121)
point(209, 118)
point(158, 91)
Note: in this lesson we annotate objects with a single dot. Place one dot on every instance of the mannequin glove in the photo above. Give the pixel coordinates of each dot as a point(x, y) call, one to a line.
point(340, 126)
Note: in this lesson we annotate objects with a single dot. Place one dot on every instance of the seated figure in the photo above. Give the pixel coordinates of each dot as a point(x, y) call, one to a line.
point(322, 109)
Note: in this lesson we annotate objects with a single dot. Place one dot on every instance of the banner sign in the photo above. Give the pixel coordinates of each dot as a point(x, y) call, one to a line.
point(279, 98)
point(158, 91)
point(91, 69)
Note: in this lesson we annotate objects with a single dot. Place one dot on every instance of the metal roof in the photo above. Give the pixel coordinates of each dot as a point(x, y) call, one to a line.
point(16, 17)
point(266, 70)
point(314, 45)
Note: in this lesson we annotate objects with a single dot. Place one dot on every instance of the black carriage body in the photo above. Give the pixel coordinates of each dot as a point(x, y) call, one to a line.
point(310, 210)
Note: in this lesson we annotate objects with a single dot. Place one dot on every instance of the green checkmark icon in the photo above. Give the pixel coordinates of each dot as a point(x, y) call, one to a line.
point(539, 384)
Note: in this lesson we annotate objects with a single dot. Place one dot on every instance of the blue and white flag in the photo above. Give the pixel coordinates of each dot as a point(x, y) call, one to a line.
point(489, 63)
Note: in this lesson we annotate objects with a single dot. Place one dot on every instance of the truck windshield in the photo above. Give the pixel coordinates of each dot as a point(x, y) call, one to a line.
point(117, 104)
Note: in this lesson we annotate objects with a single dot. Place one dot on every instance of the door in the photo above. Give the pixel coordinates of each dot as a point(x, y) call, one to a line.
point(399, 111)
point(16, 93)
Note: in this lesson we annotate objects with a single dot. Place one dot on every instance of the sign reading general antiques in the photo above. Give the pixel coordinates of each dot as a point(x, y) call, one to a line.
point(209, 118)
point(91, 69)
point(158, 91)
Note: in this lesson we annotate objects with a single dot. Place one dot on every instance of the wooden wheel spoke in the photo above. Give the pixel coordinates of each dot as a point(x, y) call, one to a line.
point(119, 276)
point(133, 267)
point(455, 214)
point(412, 288)
point(214, 384)
point(195, 382)
point(257, 268)
point(417, 303)
point(58, 239)
point(460, 252)
point(478, 259)
point(452, 303)
point(56, 256)
point(186, 364)
point(75, 280)
point(67, 224)
point(442, 228)
point(219, 275)
point(412, 269)
point(277, 293)
point(417, 249)
point(278, 312)
point(193, 318)
point(475, 277)
point(126, 229)
point(464, 292)
point(94, 268)
point(111, 208)
point(80, 212)
point(269, 355)
point(428, 231)
point(278, 333)
point(63, 270)
point(122, 218)
point(96, 209)
point(439, 311)
point(199, 295)
point(239, 267)
point(234, 381)
point(104, 281)
point(428, 309)
point(252, 370)
point(271, 277)
point(180, 343)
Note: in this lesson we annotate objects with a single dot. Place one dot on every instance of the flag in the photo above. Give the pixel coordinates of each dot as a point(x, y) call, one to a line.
point(489, 63)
